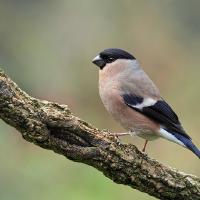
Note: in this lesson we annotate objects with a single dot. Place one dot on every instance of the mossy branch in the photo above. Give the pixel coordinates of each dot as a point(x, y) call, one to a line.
point(53, 126)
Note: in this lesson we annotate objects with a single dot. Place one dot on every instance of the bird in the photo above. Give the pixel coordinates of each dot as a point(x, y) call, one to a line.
point(133, 100)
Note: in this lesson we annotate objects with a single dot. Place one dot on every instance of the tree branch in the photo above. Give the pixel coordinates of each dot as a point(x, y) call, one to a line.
point(53, 126)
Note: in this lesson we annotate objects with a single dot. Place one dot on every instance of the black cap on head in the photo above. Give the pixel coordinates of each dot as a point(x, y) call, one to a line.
point(117, 54)
point(110, 55)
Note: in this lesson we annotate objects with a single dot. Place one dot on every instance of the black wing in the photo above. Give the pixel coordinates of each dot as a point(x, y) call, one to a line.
point(160, 112)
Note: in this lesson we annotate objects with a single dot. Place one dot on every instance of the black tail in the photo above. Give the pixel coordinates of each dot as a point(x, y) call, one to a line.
point(188, 143)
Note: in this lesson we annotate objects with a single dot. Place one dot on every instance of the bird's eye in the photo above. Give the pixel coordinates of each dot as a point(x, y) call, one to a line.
point(110, 59)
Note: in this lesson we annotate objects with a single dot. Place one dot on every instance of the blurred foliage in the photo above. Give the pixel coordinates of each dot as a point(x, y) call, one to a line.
point(47, 48)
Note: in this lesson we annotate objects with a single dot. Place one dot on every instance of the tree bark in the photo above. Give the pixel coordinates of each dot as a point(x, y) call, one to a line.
point(54, 127)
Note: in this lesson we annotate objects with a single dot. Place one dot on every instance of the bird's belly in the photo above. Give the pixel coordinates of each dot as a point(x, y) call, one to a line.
point(130, 119)
point(149, 136)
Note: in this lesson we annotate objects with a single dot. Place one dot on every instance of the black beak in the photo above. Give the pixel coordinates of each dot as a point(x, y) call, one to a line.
point(99, 62)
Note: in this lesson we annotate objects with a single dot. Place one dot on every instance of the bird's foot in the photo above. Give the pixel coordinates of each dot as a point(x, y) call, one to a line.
point(105, 130)
point(119, 134)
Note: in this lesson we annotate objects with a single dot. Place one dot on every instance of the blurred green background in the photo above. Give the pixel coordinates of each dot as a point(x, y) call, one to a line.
point(47, 47)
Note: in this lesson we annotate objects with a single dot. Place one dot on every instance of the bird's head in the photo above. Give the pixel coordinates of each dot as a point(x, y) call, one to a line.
point(111, 56)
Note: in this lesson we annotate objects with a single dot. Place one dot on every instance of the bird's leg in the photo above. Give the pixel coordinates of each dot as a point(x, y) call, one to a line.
point(145, 144)
point(119, 134)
